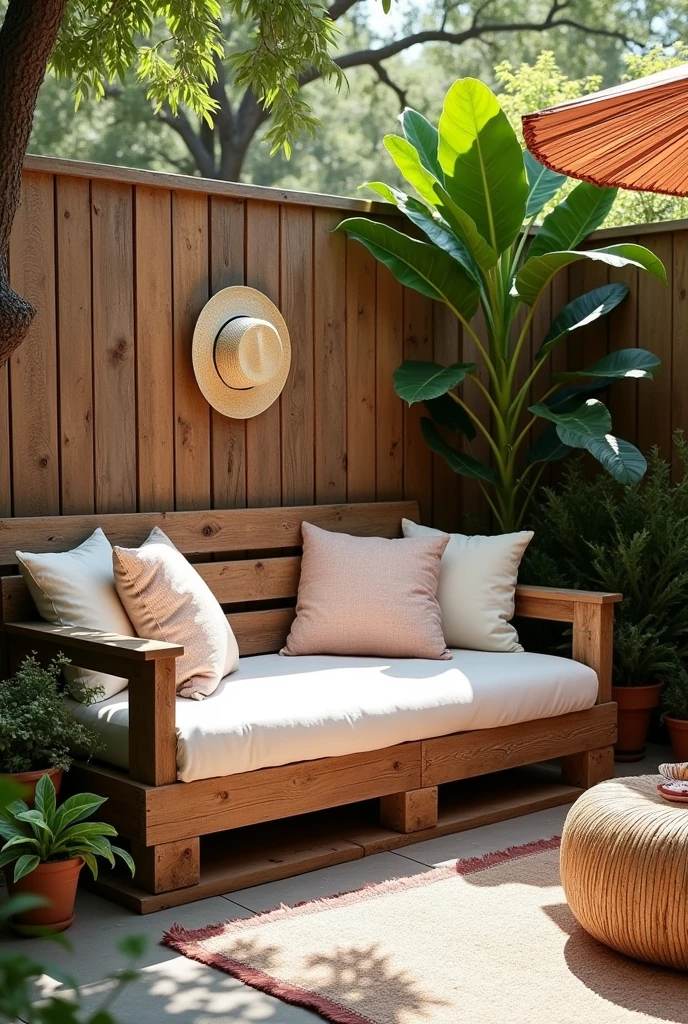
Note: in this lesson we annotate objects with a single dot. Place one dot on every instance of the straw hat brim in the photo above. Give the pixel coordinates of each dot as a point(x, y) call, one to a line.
point(237, 300)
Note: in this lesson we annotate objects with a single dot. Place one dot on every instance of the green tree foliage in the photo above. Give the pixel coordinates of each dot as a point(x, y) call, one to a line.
point(477, 198)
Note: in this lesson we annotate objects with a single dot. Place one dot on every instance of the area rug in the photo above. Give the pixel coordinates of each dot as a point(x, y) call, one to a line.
point(484, 941)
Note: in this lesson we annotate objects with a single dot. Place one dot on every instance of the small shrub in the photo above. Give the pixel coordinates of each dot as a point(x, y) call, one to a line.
point(36, 727)
point(597, 535)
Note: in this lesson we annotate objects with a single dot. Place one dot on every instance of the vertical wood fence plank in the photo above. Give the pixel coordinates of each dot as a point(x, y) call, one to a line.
point(654, 332)
point(360, 372)
point(33, 367)
point(623, 333)
point(228, 435)
point(113, 347)
point(417, 455)
point(389, 427)
point(263, 465)
point(73, 227)
point(296, 272)
point(190, 293)
point(679, 367)
point(446, 484)
point(154, 349)
point(474, 507)
point(329, 253)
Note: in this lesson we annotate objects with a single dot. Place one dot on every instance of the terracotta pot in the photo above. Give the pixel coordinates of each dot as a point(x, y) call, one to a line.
point(636, 704)
point(56, 881)
point(678, 731)
point(31, 779)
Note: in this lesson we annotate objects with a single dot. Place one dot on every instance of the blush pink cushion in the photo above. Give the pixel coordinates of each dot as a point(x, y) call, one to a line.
point(166, 599)
point(368, 597)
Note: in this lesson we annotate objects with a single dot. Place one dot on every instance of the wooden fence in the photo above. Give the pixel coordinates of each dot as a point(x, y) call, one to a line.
point(99, 409)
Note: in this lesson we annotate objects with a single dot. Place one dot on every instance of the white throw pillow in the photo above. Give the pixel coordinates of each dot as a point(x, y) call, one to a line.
point(476, 590)
point(77, 588)
point(168, 600)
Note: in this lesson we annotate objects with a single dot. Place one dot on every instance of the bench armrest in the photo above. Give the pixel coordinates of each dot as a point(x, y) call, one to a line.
point(148, 665)
point(592, 615)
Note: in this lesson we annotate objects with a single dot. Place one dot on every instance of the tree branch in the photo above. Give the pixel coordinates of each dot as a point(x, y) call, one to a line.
point(185, 129)
point(340, 7)
point(386, 80)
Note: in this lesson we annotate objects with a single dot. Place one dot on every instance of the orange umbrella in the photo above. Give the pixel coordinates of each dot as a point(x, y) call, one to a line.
point(634, 135)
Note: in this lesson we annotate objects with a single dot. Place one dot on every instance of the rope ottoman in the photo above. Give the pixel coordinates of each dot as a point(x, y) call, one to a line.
point(624, 869)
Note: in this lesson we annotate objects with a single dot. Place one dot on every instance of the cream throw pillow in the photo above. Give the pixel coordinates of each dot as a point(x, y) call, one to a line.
point(77, 588)
point(476, 591)
point(167, 600)
point(368, 596)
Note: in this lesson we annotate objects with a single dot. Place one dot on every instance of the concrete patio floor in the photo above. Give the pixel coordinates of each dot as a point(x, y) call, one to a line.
point(172, 988)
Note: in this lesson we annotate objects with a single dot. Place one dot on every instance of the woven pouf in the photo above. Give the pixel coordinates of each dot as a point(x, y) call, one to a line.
point(624, 869)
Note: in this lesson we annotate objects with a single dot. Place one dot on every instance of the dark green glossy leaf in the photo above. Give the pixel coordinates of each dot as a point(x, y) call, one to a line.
point(417, 381)
point(45, 797)
point(408, 161)
point(582, 311)
point(418, 265)
point(25, 865)
point(620, 458)
point(464, 228)
point(464, 465)
point(543, 184)
point(483, 162)
point(448, 413)
point(424, 138)
point(625, 362)
point(549, 447)
point(538, 271)
point(583, 210)
point(586, 416)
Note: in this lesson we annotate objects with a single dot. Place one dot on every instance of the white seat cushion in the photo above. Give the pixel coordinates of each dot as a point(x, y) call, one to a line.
point(275, 710)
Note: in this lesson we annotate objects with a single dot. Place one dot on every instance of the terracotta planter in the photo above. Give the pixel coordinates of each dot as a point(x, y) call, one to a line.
point(56, 881)
point(636, 704)
point(678, 731)
point(31, 779)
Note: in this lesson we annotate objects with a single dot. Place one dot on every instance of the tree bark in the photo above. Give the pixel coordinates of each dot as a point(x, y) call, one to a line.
point(27, 37)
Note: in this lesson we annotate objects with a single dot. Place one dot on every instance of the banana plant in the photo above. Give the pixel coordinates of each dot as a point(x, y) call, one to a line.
point(477, 199)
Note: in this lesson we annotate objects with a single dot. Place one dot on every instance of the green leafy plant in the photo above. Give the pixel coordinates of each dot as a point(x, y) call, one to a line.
point(37, 729)
point(594, 534)
point(51, 833)
point(478, 199)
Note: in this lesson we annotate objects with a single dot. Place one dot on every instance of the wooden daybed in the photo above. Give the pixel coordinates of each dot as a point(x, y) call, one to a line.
point(250, 560)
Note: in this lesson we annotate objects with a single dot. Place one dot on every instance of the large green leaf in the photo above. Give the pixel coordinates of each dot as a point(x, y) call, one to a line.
point(424, 138)
point(620, 458)
point(549, 447)
point(408, 161)
point(582, 311)
point(448, 413)
point(483, 162)
point(45, 797)
point(538, 271)
point(75, 808)
point(583, 210)
point(418, 265)
point(464, 465)
point(25, 865)
point(625, 362)
point(417, 381)
point(543, 184)
point(589, 417)
point(464, 228)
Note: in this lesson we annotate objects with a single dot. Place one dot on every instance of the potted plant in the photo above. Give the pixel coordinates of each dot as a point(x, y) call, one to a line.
point(45, 849)
point(592, 534)
point(37, 730)
point(676, 715)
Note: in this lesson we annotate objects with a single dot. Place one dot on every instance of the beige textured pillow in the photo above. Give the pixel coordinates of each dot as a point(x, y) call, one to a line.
point(166, 599)
point(77, 588)
point(477, 587)
point(368, 596)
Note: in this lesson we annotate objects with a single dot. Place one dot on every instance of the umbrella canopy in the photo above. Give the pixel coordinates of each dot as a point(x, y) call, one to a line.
point(634, 135)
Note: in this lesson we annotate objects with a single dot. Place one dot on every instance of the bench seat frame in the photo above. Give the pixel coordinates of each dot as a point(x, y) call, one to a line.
point(164, 819)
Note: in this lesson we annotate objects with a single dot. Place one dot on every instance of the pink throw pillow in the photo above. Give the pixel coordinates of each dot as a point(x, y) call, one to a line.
point(368, 597)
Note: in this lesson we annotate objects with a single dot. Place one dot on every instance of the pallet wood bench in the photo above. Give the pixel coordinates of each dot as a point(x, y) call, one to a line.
point(164, 819)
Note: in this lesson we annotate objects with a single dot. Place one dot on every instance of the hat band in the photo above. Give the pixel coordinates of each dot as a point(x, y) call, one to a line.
point(239, 316)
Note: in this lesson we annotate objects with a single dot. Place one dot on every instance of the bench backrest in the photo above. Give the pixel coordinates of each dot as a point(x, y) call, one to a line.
point(250, 558)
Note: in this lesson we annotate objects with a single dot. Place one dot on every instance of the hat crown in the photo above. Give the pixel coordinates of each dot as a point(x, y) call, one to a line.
point(248, 352)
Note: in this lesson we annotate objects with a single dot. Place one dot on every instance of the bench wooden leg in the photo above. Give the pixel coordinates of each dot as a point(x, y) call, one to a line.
point(411, 811)
point(589, 767)
point(168, 866)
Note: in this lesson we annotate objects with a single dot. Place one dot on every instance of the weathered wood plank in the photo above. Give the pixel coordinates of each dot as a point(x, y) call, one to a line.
point(654, 332)
point(417, 455)
point(360, 372)
point(389, 413)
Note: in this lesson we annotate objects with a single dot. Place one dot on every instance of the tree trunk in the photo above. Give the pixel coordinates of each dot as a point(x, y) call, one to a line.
point(27, 37)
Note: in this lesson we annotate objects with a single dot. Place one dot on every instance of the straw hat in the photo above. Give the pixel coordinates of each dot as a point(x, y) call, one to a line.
point(241, 352)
